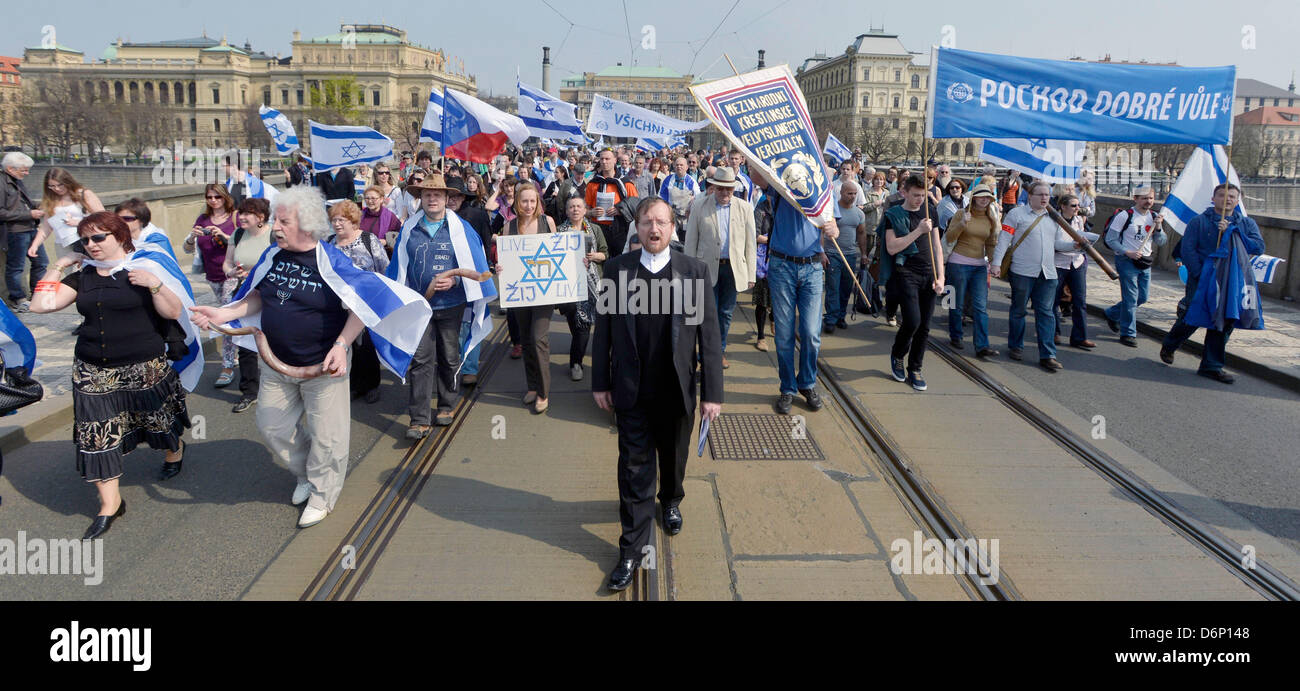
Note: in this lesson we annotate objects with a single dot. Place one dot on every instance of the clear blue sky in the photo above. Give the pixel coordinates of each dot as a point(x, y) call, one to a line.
point(496, 37)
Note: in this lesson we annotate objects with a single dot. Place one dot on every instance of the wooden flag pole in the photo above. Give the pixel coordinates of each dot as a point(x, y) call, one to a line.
point(925, 182)
point(852, 272)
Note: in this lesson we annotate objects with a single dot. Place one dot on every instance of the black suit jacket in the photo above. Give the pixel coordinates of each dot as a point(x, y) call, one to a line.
point(615, 364)
point(338, 187)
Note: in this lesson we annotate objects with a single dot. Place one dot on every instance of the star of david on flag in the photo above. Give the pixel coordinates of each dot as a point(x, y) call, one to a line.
point(280, 129)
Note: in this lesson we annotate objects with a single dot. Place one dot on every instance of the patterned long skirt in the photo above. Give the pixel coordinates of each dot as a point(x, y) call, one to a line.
point(117, 408)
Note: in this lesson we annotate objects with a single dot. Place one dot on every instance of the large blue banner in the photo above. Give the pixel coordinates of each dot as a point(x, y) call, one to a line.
point(1001, 97)
point(763, 114)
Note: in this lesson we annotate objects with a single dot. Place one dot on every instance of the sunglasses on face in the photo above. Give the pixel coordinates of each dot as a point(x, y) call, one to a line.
point(381, 172)
point(212, 197)
point(96, 239)
point(1072, 206)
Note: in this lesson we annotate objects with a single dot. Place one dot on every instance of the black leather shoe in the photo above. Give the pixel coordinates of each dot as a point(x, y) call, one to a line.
point(841, 324)
point(171, 470)
point(1051, 364)
point(783, 403)
point(1114, 325)
point(828, 328)
point(1166, 356)
point(1218, 375)
point(986, 352)
point(956, 343)
point(621, 577)
point(1129, 341)
point(673, 520)
point(101, 524)
point(1016, 354)
point(814, 400)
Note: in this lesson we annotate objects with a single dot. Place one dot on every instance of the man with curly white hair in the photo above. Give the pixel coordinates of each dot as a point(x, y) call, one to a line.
point(306, 421)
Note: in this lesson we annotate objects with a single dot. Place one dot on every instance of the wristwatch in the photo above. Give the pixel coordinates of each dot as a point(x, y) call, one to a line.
point(154, 290)
point(340, 342)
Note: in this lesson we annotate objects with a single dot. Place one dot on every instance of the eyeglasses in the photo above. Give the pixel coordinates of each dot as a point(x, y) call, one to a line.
point(96, 239)
point(128, 219)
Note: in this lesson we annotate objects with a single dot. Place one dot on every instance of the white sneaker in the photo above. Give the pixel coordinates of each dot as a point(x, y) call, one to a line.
point(24, 306)
point(575, 373)
point(311, 516)
point(301, 493)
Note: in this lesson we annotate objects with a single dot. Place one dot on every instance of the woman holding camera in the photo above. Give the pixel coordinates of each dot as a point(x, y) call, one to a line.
point(211, 236)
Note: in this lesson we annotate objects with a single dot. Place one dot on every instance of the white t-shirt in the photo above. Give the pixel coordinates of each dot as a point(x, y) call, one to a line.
point(1137, 238)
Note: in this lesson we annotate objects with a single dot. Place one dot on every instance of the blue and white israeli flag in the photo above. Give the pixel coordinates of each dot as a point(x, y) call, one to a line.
point(469, 252)
point(549, 117)
point(836, 149)
point(431, 128)
point(1193, 193)
point(1054, 160)
point(395, 315)
point(335, 146)
point(652, 144)
point(280, 129)
point(16, 341)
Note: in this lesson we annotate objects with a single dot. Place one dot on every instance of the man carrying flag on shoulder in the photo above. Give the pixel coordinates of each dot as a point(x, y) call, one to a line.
point(1208, 237)
point(431, 244)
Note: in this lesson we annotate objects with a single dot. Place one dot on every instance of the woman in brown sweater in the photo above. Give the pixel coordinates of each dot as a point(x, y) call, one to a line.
point(972, 235)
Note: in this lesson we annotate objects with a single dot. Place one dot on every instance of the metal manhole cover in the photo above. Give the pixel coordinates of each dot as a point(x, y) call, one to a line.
point(762, 437)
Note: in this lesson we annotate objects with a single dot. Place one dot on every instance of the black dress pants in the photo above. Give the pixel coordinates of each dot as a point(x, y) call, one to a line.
point(579, 333)
point(650, 437)
point(365, 365)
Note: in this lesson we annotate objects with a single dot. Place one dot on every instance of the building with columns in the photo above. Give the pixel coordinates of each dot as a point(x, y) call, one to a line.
point(208, 86)
point(11, 92)
point(873, 97)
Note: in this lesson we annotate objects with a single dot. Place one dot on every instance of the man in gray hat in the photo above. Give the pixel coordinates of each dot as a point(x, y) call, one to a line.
point(720, 232)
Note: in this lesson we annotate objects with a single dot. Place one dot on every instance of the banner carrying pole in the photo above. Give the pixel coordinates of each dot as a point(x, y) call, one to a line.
point(845, 260)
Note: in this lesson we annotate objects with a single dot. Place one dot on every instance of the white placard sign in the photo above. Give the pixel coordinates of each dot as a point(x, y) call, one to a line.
point(541, 269)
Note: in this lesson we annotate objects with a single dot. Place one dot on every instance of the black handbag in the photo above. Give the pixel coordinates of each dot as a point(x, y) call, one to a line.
point(17, 389)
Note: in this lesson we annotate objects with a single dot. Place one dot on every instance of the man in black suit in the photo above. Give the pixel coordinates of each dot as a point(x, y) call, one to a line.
point(643, 364)
point(337, 184)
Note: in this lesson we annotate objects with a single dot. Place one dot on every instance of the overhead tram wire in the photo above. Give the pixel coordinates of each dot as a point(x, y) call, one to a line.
point(631, 52)
point(711, 34)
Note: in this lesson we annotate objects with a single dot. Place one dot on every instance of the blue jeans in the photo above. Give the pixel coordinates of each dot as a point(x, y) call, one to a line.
point(839, 285)
point(18, 244)
point(1043, 292)
point(470, 361)
point(796, 286)
point(1133, 284)
point(969, 281)
point(724, 292)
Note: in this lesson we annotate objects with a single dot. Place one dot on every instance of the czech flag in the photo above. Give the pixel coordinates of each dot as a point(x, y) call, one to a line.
point(475, 131)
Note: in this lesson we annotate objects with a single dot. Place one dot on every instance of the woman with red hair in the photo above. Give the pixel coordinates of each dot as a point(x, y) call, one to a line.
point(124, 390)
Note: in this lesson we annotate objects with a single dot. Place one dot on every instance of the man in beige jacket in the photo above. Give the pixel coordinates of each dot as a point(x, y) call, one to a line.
point(720, 232)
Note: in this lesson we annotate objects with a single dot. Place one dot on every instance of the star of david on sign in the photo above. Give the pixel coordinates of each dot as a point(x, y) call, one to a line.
point(353, 150)
point(607, 104)
point(542, 257)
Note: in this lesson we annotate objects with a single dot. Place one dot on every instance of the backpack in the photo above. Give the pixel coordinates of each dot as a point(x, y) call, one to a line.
point(1140, 262)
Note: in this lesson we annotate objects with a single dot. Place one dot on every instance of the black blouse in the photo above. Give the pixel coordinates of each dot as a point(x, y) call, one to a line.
point(121, 326)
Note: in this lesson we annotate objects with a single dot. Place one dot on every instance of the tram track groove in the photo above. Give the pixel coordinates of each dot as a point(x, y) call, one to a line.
point(925, 505)
point(1263, 577)
point(372, 530)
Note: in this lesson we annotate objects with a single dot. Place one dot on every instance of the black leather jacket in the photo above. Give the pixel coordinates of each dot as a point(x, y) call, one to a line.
point(15, 208)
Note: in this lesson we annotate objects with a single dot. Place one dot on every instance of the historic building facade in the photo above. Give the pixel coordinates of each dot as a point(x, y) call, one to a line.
point(873, 97)
point(208, 86)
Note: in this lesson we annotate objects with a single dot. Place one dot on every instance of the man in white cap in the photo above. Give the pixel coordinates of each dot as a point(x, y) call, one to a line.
point(720, 232)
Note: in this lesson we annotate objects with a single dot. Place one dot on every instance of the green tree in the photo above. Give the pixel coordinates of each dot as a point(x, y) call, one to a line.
point(335, 101)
